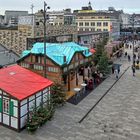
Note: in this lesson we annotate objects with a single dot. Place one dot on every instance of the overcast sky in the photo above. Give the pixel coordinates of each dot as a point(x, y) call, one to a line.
point(130, 6)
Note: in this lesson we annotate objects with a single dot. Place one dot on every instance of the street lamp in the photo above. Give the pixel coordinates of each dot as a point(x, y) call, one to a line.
point(45, 18)
point(133, 35)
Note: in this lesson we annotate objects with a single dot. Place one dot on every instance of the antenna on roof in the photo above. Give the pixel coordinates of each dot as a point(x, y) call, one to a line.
point(32, 8)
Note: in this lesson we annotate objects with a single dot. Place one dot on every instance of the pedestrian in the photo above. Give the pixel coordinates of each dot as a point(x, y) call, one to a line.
point(112, 69)
point(137, 61)
point(118, 68)
point(133, 70)
point(134, 56)
point(125, 54)
point(129, 58)
point(116, 73)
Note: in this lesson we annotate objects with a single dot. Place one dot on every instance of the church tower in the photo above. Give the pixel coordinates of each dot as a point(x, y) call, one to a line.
point(89, 6)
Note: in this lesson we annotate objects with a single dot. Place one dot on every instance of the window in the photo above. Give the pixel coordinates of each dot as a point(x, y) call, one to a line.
point(99, 17)
point(37, 59)
point(98, 29)
point(86, 23)
point(25, 65)
point(92, 23)
point(38, 67)
point(99, 24)
point(76, 57)
point(80, 23)
point(52, 69)
point(6, 106)
point(65, 69)
point(86, 29)
point(80, 29)
point(105, 23)
point(105, 29)
point(92, 29)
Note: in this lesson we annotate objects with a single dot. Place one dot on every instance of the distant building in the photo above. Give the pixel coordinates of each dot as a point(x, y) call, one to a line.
point(125, 20)
point(11, 17)
point(88, 19)
point(30, 29)
point(1, 19)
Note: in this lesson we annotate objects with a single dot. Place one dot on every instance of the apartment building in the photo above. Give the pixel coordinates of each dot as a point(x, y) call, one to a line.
point(96, 21)
point(11, 16)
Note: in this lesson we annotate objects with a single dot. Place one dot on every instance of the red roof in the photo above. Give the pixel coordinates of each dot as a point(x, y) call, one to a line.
point(20, 82)
point(92, 51)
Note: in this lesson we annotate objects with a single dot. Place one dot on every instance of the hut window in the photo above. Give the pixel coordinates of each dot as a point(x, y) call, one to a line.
point(25, 65)
point(76, 57)
point(38, 67)
point(65, 69)
point(6, 106)
point(52, 69)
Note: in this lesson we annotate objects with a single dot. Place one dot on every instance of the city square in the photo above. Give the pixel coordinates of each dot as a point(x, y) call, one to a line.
point(69, 74)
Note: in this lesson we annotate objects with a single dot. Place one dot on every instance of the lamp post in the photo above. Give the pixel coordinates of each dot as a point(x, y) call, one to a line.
point(133, 21)
point(45, 18)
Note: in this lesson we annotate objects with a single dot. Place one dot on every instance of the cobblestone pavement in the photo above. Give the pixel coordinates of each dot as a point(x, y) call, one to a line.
point(116, 117)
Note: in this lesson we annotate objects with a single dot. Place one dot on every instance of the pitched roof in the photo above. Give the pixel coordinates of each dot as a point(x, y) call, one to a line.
point(20, 82)
point(57, 51)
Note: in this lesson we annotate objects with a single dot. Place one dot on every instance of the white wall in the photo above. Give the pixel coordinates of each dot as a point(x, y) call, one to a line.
point(31, 105)
point(14, 122)
point(6, 119)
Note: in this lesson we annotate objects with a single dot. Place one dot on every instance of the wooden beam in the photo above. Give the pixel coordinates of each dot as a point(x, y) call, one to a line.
point(69, 81)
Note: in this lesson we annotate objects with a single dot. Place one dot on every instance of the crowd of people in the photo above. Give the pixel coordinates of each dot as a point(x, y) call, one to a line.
point(92, 77)
point(136, 55)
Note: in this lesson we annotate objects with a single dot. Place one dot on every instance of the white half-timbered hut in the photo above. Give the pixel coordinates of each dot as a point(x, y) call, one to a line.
point(20, 91)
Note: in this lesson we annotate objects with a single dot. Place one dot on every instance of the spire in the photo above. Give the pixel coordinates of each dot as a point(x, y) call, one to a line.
point(89, 6)
point(89, 3)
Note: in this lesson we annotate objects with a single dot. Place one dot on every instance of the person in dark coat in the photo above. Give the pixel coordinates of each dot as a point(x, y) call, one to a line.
point(113, 69)
point(133, 70)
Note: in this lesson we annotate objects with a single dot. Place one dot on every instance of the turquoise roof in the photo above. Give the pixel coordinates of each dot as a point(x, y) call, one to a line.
point(26, 52)
point(57, 51)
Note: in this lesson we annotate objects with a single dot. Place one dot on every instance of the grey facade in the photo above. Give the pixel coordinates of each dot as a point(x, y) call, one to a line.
point(10, 15)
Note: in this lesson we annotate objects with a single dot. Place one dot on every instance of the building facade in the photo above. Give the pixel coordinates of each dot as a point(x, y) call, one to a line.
point(98, 21)
point(62, 61)
point(11, 17)
point(30, 31)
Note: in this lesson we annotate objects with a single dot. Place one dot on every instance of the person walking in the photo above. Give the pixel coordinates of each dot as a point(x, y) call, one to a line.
point(113, 69)
point(129, 58)
point(125, 54)
point(133, 70)
point(116, 73)
point(118, 68)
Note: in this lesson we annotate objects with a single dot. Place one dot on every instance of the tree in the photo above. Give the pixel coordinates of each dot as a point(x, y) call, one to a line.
point(98, 53)
point(103, 65)
point(58, 94)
